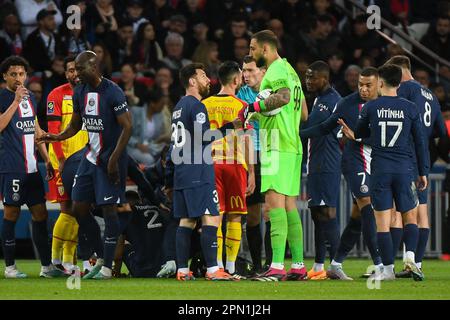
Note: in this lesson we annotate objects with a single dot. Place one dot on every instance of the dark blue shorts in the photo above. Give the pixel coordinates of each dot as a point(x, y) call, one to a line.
point(70, 170)
point(359, 183)
point(196, 202)
point(91, 184)
point(323, 189)
point(389, 187)
point(17, 189)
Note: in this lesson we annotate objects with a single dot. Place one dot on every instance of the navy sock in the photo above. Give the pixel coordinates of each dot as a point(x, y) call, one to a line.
point(369, 231)
point(331, 233)
point(396, 234)
point(411, 237)
point(208, 239)
point(254, 239)
point(385, 247)
point(349, 237)
point(424, 233)
point(41, 240)
point(9, 241)
point(169, 244)
point(90, 239)
point(183, 244)
point(319, 242)
point(112, 233)
point(268, 244)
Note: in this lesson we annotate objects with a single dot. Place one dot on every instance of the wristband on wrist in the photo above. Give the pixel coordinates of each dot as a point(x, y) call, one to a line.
point(256, 106)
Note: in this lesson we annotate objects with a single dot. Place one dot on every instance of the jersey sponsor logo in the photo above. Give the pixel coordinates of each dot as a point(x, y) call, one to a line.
point(50, 107)
point(200, 118)
point(93, 125)
point(364, 188)
point(322, 107)
point(122, 106)
point(236, 202)
point(27, 126)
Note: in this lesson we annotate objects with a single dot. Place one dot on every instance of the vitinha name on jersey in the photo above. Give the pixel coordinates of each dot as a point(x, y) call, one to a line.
point(92, 124)
point(390, 114)
point(27, 126)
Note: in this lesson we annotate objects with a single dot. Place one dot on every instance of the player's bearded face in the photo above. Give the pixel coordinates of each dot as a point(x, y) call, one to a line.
point(15, 77)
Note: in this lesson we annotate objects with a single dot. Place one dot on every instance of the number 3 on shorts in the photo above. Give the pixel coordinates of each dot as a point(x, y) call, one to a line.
point(215, 196)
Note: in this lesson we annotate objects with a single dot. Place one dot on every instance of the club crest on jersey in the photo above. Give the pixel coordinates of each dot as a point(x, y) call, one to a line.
point(364, 188)
point(201, 118)
point(50, 107)
point(61, 190)
point(91, 107)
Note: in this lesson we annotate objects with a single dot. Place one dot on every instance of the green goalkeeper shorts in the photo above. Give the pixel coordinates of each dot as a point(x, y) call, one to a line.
point(281, 172)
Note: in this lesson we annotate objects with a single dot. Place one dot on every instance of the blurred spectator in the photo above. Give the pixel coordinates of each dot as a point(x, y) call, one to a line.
point(238, 28)
point(293, 13)
point(437, 39)
point(101, 21)
point(441, 94)
point(241, 48)
point(423, 10)
point(76, 40)
point(164, 82)
point(332, 41)
point(36, 88)
point(422, 76)
point(350, 83)
point(104, 59)
point(324, 7)
point(200, 34)
point(54, 77)
point(361, 42)
point(286, 47)
point(313, 41)
point(258, 13)
point(159, 13)
point(192, 11)
point(135, 13)
point(151, 130)
point(174, 59)
point(135, 92)
point(28, 10)
point(5, 49)
point(219, 14)
point(11, 34)
point(43, 44)
point(207, 53)
point(121, 46)
point(336, 63)
point(146, 51)
point(366, 61)
point(178, 24)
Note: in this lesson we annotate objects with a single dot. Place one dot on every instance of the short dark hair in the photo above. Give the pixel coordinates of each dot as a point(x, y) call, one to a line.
point(391, 74)
point(227, 71)
point(248, 59)
point(131, 65)
point(266, 36)
point(402, 61)
point(369, 71)
point(13, 61)
point(68, 60)
point(320, 66)
point(188, 71)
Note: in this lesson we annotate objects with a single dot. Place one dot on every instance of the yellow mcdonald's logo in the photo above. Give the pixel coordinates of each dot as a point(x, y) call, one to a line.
point(236, 202)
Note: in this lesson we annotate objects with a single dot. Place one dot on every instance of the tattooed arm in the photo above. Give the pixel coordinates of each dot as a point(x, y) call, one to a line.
point(277, 99)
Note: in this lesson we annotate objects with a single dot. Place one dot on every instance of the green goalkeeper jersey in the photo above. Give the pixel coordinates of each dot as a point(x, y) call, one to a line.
point(280, 74)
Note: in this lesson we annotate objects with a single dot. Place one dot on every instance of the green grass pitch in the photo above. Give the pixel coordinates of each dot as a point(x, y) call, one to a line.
point(435, 286)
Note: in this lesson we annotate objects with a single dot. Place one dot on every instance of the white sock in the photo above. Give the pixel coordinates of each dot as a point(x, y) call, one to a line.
point(220, 264)
point(230, 266)
point(100, 262)
point(379, 268)
point(56, 261)
point(11, 268)
point(318, 266)
point(297, 265)
point(334, 263)
point(107, 272)
point(87, 265)
point(212, 269)
point(278, 266)
point(389, 269)
point(409, 255)
point(419, 265)
point(68, 266)
point(183, 270)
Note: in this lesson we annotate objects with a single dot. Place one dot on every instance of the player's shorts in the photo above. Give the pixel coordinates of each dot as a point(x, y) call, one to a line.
point(231, 183)
point(280, 171)
point(91, 184)
point(389, 187)
point(22, 188)
point(323, 189)
point(422, 195)
point(196, 202)
point(359, 183)
point(256, 197)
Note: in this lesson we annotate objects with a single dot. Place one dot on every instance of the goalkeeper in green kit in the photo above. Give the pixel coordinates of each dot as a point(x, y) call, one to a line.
point(281, 154)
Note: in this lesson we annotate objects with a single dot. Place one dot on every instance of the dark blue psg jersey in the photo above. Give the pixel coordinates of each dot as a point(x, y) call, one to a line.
point(356, 155)
point(191, 153)
point(99, 108)
point(324, 153)
point(18, 137)
point(390, 122)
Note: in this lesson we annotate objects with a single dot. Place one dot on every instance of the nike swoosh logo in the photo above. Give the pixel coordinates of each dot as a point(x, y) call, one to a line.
point(25, 113)
point(107, 198)
point(90, 110)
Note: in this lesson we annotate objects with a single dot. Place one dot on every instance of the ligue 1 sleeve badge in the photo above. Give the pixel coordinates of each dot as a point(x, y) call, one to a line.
point(50, 107)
